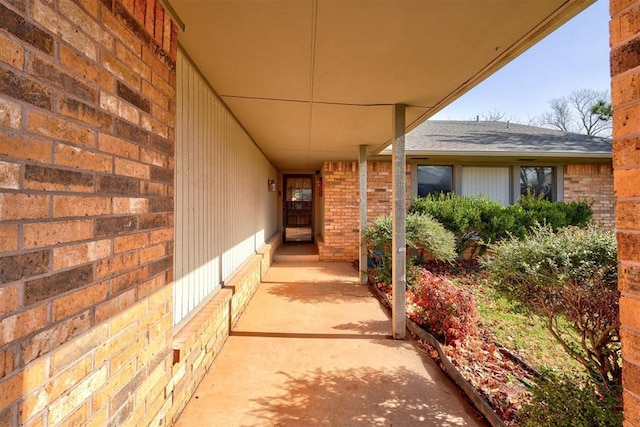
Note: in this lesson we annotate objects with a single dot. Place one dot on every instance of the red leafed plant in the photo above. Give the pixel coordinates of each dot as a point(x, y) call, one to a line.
point(445, 310)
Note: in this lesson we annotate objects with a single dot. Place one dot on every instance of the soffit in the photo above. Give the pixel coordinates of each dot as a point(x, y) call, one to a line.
point(311, 80)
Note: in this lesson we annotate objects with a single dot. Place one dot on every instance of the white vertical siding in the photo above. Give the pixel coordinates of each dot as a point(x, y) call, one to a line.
point(224, 211)
point(493, 182)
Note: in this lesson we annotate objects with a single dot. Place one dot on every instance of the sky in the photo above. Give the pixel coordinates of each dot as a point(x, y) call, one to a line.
point(575, 56)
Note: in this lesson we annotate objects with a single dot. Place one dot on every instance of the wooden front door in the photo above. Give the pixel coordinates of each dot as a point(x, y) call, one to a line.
point(298, 208)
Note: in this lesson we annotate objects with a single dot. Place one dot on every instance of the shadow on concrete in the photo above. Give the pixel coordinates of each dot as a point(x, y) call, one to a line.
point(366, 327)
point(319, 292)
point(363, 396)
point(311, 272)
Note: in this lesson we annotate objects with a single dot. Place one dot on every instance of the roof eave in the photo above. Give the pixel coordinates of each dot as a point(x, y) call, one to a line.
point(524, 154)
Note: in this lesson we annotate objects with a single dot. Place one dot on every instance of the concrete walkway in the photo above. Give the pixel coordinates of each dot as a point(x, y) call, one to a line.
point(314, 347)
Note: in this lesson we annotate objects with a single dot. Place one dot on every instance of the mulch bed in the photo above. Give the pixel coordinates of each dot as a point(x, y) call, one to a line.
point(499, 377)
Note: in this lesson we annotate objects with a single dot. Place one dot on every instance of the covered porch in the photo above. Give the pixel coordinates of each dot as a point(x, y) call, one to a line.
point(271, 91)
point(144, 146)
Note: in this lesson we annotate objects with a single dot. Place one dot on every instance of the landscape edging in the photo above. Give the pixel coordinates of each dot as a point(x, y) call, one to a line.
point(478, 401)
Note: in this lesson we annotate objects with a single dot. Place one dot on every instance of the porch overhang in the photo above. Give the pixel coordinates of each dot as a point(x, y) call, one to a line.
point(312, 80)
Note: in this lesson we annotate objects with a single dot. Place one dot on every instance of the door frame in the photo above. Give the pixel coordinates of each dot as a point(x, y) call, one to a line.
point(285, 177)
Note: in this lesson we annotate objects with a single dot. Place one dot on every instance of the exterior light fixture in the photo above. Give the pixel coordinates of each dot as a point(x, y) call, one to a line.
point(272, 185)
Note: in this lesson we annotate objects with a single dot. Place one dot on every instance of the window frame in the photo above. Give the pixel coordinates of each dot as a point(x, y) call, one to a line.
point(555, 196)
point(557, 167)
point(417, 183)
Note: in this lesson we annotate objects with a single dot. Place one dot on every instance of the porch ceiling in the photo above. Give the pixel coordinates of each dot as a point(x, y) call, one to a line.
point(311, 80)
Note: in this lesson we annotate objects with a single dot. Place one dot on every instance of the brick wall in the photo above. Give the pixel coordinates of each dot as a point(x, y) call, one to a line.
point(199, 342)
point(87, 104)
point(341, 217)
point(625, 92)
point(595, 184)
point(195, 349)
point(341, 205)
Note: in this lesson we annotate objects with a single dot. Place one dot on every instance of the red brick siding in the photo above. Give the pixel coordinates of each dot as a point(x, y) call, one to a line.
point(341, 205)
point(341, 217)
point(625, 74)
point(595, 184)
point(87, 104)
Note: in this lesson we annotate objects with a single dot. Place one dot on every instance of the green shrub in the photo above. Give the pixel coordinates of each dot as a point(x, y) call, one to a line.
point(442, 308)
point(557, 402)
point(533, 210)
point(570, 275)
point(475, 221)
point(424, 235)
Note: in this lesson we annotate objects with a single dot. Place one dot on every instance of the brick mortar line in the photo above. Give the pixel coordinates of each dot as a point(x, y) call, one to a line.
point(622, 42)
point(628, 104)
point(92, 149)
point(628, 199)
point(628, 232)
point(630, 328)
point(94, 263)
point(622, 11)
point(58, 91)
point(626, 167)
point(626, 73)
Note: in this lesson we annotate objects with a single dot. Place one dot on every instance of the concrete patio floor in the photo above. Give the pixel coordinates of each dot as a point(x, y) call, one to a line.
point(314, 347)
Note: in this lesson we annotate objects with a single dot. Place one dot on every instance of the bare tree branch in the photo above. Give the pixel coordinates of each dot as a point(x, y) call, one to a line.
point(559, 115)
point(585, 111)
point(583, 102)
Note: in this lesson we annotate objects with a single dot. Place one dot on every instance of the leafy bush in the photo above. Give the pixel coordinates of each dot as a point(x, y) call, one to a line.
point(442, 308)
point(533, 210)
point(558, 402)
point(571, 275)
point(423, 234)
point(478, 221)
point(475, 221)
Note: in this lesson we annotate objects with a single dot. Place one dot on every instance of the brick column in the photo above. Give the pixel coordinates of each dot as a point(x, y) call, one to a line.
point(625, 91)
point(341, 212)
point(341, 215)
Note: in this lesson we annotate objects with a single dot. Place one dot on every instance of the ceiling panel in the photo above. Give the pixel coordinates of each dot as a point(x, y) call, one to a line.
point(412, 52)
point(352, 60)
point(250, 48)
point(346, 127)
point(275, 124)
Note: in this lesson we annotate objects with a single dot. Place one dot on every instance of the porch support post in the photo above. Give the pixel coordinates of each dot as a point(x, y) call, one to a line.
point(362, 162)
point(399, 213)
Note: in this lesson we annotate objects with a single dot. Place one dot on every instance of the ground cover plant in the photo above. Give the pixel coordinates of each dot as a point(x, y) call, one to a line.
point(521, 332)
point(558, 400)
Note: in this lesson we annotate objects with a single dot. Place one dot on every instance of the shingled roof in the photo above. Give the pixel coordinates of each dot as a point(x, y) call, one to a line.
point(438, 137)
